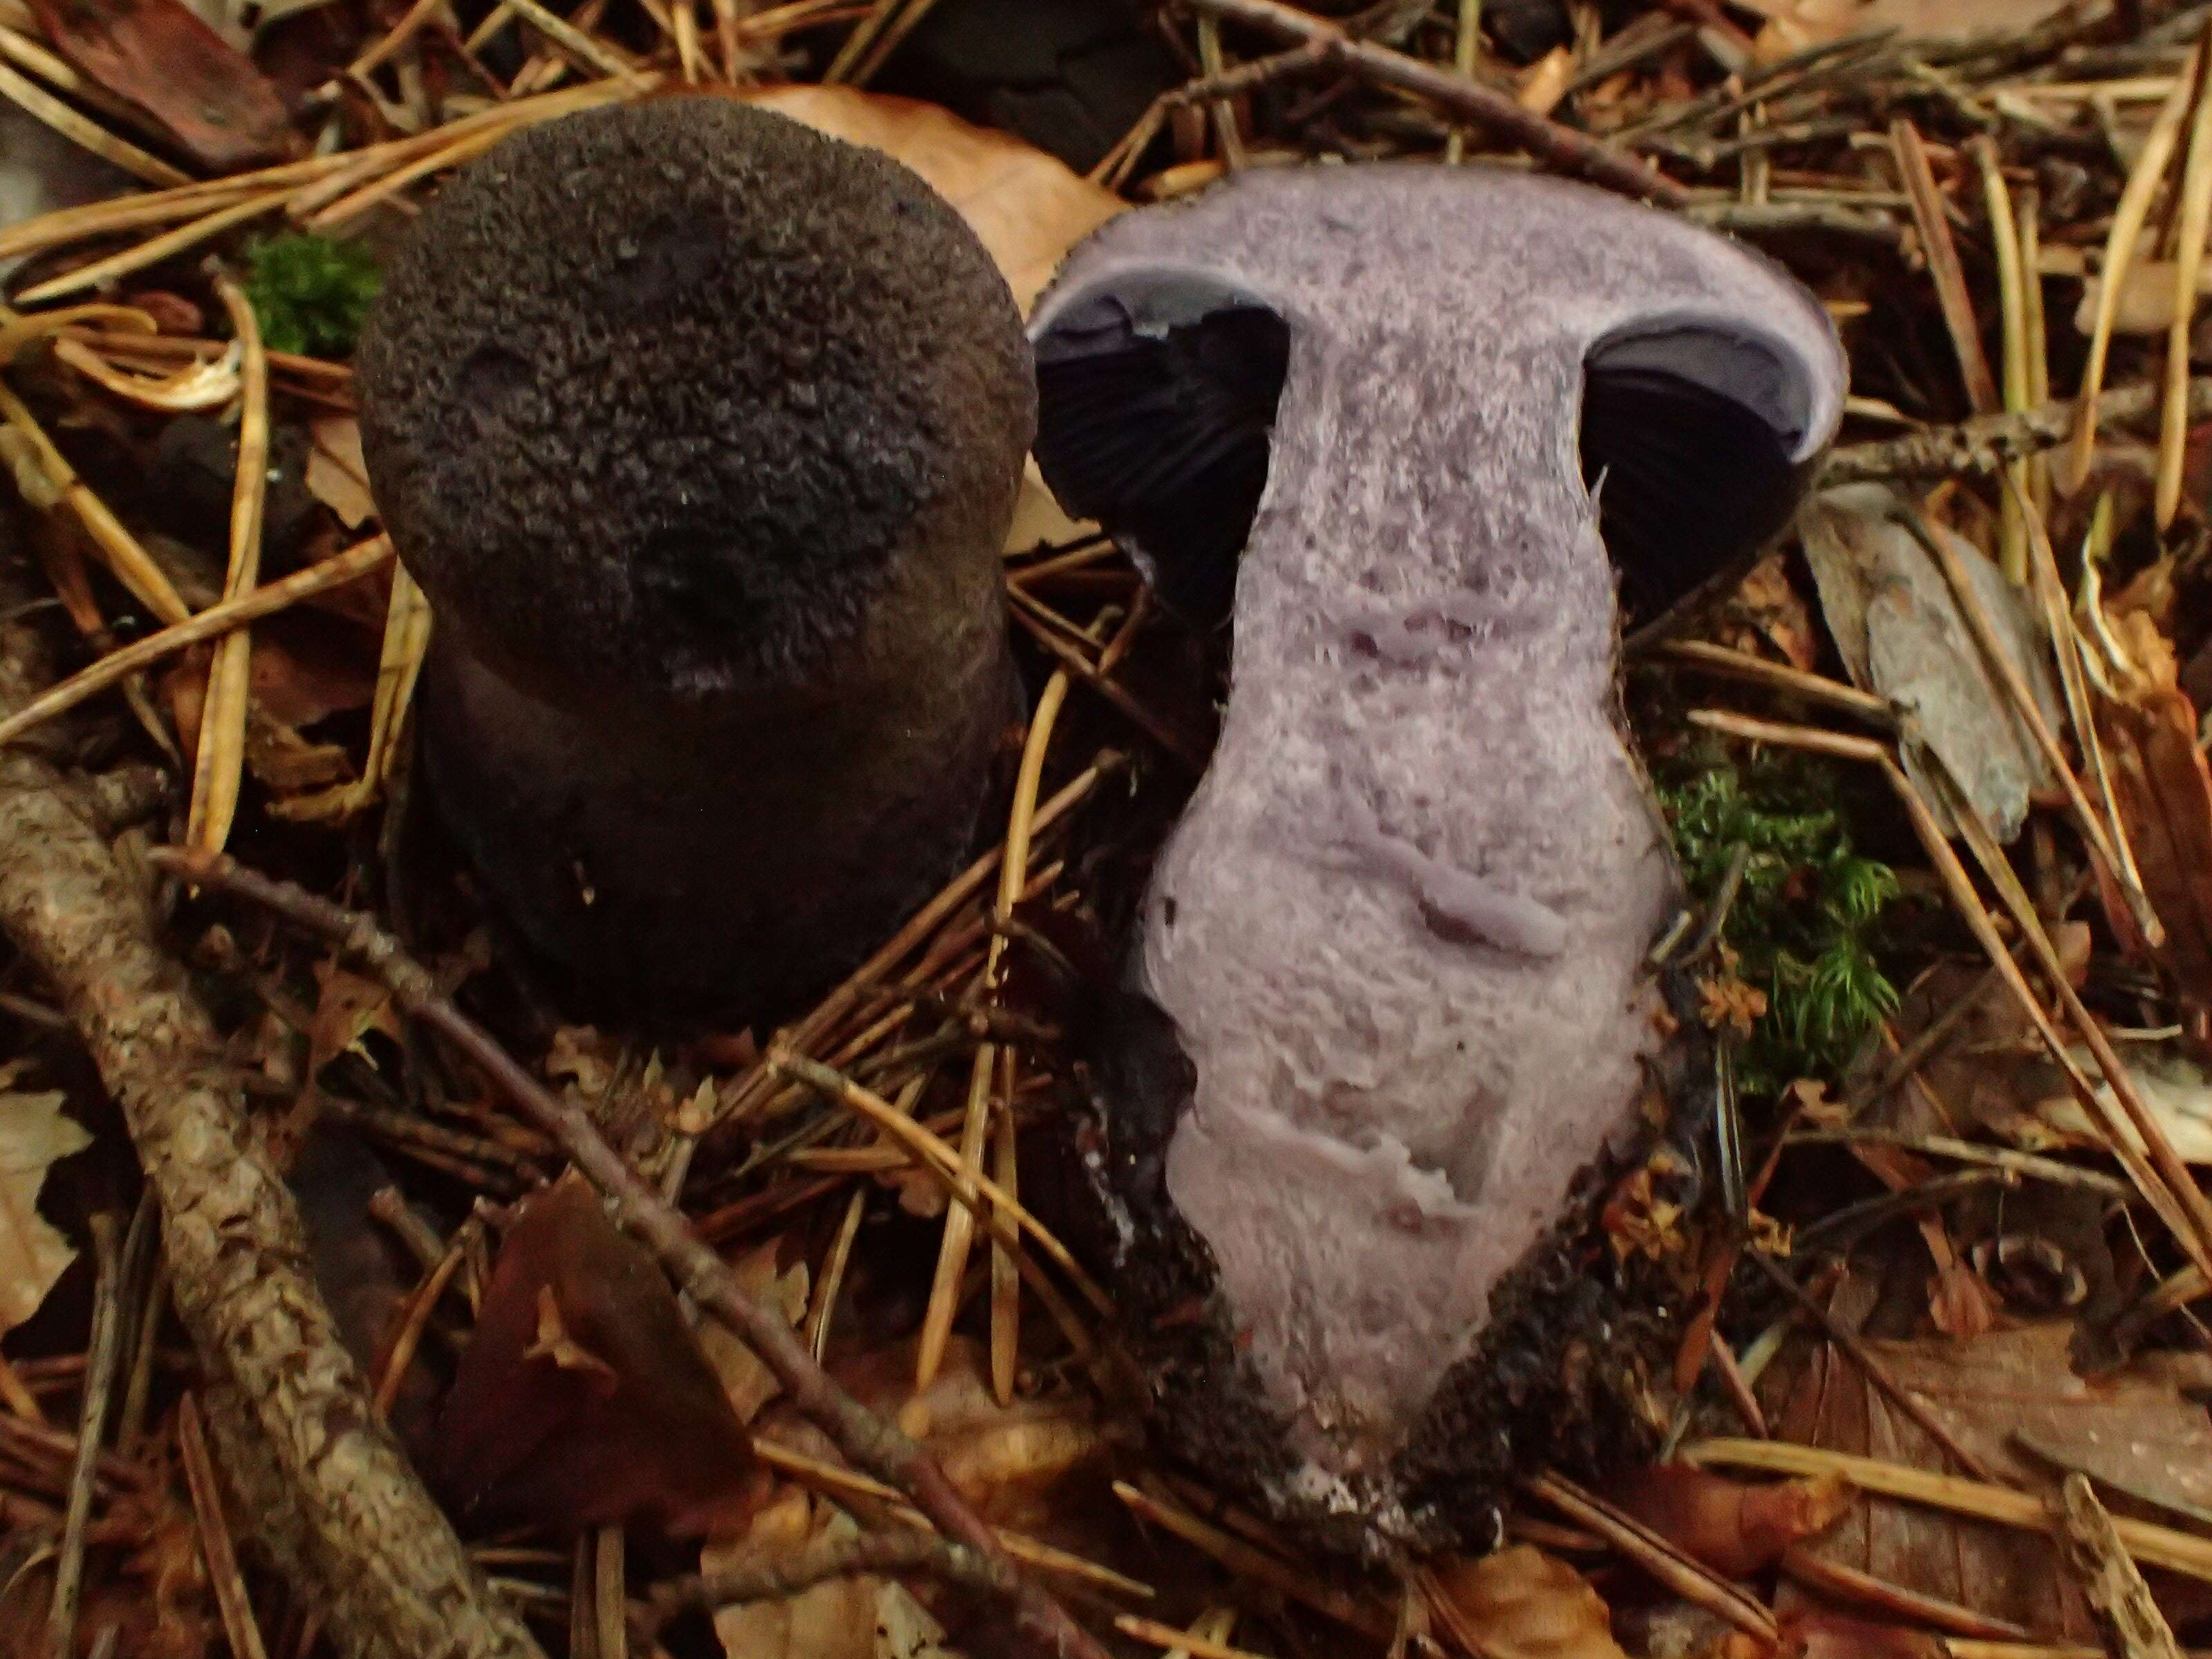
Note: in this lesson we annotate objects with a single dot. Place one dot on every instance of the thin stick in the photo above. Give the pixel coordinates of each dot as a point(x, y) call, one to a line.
point(1983, 446)
point(2066, 645)
point(919, 926)
point(360, 559)
point(79, 129)
point(869, 1555)
point(1179, 1641)
point(100, 1364)
point(975, 1130)
point(832, 1276)
point(2004, 237)
point(1934, 224)
point(593, 52)
point(1694, 1583)
point(972, 1188)
point(419, 1306)
point(119, 549)
point(1833, 1578)
point(2147, 1541)
point(2112, 1582)
point(2128, 217)
point(1922, 1415)
point(217, 1550)
point(844, 1485)
point(1466, 50)
point(1249, 1561)
point(155, 249)
point(868, 1440)
point(2189, 260)
point(1868, 706)
point(221, 758)
point(1560, 146)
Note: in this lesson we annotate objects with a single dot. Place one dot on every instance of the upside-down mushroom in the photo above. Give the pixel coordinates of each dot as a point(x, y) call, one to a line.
point(1392, 1019)
point(702, 431)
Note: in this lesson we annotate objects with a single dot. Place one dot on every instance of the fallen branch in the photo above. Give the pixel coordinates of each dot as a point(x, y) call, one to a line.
point(1571, 152)
point(370, 1549)
point(870, 1554)
point(867, 1440)
point(1981, 446)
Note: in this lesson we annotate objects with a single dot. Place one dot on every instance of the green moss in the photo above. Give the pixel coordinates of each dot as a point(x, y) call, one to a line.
point(1805, 924)
point(310, 293)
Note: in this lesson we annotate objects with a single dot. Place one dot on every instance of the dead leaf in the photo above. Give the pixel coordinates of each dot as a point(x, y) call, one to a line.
point(347, 1007)
point(1899, 628)
point(748, 1383)
point(841, 1619)
point(34, 1134)
point(1812, 1631)
point(1793, 25)
point(337, 475)
point(157, 55)
point(1027, 208)
point(2163, 792)
point(2130, 1428)
point(1521, 1603)
point(582, 1399)
point(1736, 1528)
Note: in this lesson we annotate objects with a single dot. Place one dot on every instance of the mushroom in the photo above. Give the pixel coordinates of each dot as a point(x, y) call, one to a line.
point(1390, 1020)
point(700, 431)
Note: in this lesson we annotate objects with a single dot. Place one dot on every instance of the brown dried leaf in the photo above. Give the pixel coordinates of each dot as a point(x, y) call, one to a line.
point(1027, 208)
point(337, 475)
point(33, 1135)
point(1736, 1528)
point(1521, 1603)
point(748, 1383)
point(582, 1399)
point(2164, 795)
point(156, 55)
point(841, 1619)
point(2131, 1428)
point(347, 1007)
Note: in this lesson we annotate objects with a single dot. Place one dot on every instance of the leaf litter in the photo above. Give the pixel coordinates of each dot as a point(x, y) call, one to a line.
point(1925, 1171)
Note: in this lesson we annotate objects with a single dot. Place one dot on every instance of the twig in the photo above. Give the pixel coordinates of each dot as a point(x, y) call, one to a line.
point(1249, 1561)
point(1692, 1581)
point(1175, 1641)
point(100, 1354)
point(217, 619)
point(843, 1485)
point(862, 1436)
point(2089, 1544)
point(1833, 1578)
point(870, 1554)
point(1878, 1373)
point(1982, 446)
point(222, 751)
point(1934, 224)
point(215, 1548)
point(2152, 1545)
point(1570, 151)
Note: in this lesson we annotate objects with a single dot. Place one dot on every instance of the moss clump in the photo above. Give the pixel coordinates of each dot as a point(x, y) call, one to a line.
point(310, 293)
point(1804, 926)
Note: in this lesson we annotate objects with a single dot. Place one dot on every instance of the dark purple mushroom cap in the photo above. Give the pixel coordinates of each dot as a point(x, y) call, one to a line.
point(702, 431)
point(1399, 931)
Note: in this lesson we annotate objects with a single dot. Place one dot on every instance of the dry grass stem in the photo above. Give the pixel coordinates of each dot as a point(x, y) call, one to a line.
point(216, 1550)
point(222, 759)
point(361, 559)
point(2148, 1542)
